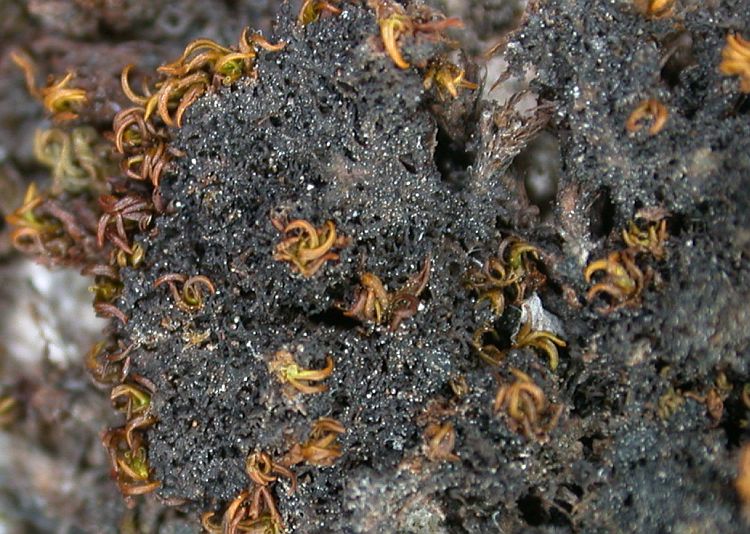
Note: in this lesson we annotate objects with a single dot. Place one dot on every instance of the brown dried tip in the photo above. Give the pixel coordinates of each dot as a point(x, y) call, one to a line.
point(650, 239)
point(120, 216)
point(321, 447)
point(712, 401)
point(652, 110)
point(187, 78)
point(288, 371)
point(669, 403)
point(525, 407)
point(148, 165)
point(486, 342)
point(305, 247)
point(439, 442)
point(391, 28)
point(735, 60)
point(251, 511)
point(8, 410)
point(742, 482)
point(190, 297)
point(132, 398)
point(132, 132)
point(543, 340)
point(108, 364)
point(655, 9)
point(374, 304)
point(128, 457)
point(312, 10)
point(30, 230)
point(59, 100)
point(512, 273)
point(110, 311)
point(623, 281)
point(262, 470)
point(395, 23)
point(448, 78)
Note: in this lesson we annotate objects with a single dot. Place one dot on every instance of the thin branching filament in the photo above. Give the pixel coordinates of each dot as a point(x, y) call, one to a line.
point(78, 159)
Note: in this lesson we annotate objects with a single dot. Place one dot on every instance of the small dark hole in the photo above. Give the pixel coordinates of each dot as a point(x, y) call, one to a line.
point(592, 446)
point(660, 365)
point(451, 160)
point(678, 56)
point(575, 489)
point(454, 268)
point(743, 105)
point(677, 224)
point(660, 194)
point(200, 250)
point(408, 163)
point(602, 214)
point(335, 317)
point(735, 413)
point(502, 224)
point(532, 510)
point(349, 154)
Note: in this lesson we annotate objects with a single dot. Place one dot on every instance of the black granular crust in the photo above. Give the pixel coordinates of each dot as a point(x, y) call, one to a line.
point(597, 62)
point(331, 129)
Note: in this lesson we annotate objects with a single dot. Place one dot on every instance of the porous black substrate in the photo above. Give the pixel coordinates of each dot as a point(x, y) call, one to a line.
point(332, 129)
point(596, 62)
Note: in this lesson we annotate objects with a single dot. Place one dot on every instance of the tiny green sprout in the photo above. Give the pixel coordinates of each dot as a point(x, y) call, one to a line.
point(135, 464)
point(130, 399)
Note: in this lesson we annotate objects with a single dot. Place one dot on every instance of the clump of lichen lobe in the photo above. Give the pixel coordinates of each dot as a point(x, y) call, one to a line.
point(329, 129)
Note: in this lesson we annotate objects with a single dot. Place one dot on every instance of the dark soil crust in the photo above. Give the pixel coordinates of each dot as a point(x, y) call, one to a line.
point(331, 129)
